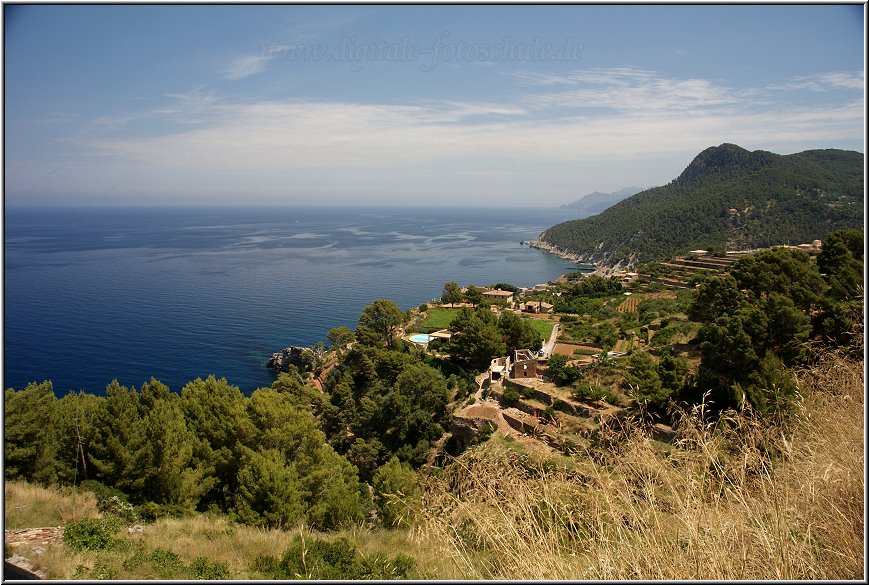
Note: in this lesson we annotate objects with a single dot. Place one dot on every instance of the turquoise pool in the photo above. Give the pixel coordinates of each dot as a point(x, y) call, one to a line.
point(421, 338)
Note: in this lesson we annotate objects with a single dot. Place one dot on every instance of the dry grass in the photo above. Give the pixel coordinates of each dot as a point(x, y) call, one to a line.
point(739, 499)
point(32, 506)
point(214, 538)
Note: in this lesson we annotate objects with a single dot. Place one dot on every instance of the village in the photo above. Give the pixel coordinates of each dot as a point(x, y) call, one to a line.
point(518, 395)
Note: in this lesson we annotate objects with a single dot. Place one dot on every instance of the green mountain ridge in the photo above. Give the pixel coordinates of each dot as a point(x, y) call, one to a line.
point(727, 198)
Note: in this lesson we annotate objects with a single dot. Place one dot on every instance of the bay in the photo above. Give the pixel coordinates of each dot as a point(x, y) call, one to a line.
point(93, 295)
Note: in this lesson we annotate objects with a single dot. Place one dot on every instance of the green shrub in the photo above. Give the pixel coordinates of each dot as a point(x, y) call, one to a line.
point(395, 488)
point(586, 391)
point(150, 511)
point(266, 564)
point(100, 490)
point(511, 396)
point(103, 571)
point(202, 568)
point(118, 507)
point(337, 559)
point(166, 563)
point(91, 533)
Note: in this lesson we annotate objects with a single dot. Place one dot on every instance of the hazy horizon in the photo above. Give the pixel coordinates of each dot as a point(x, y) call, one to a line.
point(414, 105)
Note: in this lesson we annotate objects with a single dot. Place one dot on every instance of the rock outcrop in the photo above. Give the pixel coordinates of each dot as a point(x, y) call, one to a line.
point(299, 357)
point(464, 431)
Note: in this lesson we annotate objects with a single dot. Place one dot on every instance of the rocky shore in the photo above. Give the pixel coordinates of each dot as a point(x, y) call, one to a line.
point(299, 357)
point(545, 246)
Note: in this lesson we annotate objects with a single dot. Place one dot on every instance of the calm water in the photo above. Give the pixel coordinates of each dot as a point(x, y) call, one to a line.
point(92, 295)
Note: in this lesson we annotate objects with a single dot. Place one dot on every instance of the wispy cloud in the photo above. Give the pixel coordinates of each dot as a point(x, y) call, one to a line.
point(299, 32)
point(305, 134)
point(609, 76)
point(825, 81)
point(521, 145)
point(190, 107)
point(629, 89)
point(52, 117)
point(244, 67)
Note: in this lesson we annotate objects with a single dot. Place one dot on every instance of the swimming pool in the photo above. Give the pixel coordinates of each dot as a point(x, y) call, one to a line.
point(420, 338)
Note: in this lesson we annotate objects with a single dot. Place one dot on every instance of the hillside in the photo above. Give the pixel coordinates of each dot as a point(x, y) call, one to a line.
point(594, 203)
point(728, 197)
point(628, 510)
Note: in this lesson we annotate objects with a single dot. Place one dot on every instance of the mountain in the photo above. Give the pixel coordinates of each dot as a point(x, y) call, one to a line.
point(727, 198)
point(594, 203)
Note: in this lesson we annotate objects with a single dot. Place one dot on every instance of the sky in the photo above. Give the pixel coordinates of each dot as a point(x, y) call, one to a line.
point(410, 105)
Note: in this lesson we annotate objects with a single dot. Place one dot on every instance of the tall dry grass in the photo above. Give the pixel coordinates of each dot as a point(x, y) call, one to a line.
point(737, 498)
point(28, 505)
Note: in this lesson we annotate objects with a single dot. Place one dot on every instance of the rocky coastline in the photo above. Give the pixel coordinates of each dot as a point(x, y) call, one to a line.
point(299, 357)
point(543, 245)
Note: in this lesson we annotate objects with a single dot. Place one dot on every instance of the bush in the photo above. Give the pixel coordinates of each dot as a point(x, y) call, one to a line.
point(102, 491)
point(395, 488)
point(92, 534)
point(511, 396)
point(266, 564)
point(586, 391)
point(338, 559)
point(150, 511)
point(167, 564)
point(117, 507)
point(202, 568)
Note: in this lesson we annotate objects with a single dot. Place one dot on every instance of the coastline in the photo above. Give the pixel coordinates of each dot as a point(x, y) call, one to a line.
point(544, 246)
point(301, 271)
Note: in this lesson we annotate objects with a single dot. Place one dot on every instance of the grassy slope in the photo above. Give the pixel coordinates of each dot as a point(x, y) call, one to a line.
point(717, 508)
point(543, 327)
point(438, 318)
point(167, 548)
point(32, 506)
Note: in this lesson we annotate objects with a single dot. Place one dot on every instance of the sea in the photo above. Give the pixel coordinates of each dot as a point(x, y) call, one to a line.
point(96, 294)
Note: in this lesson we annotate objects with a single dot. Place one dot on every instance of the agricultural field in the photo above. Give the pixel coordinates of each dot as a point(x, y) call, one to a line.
point(632, 303)
point(627, 344)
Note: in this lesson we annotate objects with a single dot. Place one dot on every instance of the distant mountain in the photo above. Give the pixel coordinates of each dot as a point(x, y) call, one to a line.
point(594, 203)
point(728, 197)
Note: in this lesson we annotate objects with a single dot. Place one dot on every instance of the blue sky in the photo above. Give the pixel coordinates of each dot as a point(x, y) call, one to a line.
point(484, 105)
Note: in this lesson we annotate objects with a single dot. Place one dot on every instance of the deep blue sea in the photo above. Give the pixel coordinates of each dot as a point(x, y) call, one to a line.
point(97, 294)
